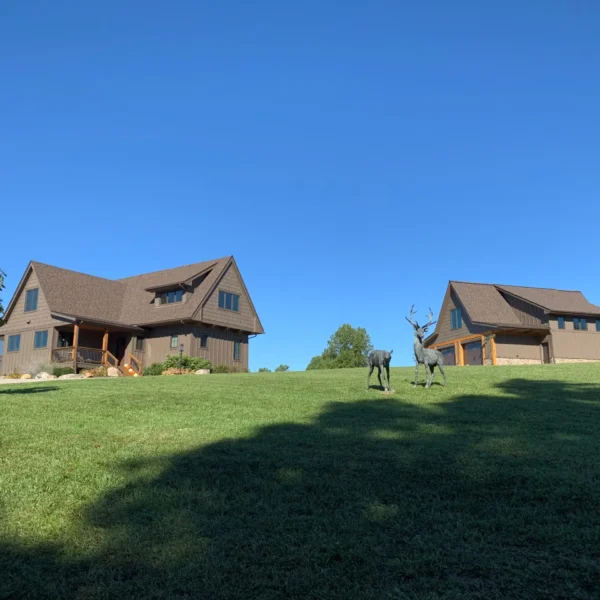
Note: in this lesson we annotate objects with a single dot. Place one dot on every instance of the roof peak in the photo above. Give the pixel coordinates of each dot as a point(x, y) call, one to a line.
point(510, 285)
point(214, 261)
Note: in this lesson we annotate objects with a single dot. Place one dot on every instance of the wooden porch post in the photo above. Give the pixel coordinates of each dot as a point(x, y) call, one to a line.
point(493, 349)
point(104, 346)
point(75, 344)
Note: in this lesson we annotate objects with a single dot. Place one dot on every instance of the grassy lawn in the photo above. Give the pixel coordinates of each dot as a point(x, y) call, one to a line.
point(303, 485)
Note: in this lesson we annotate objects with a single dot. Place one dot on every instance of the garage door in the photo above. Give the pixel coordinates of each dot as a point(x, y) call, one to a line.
point(449, 355)
point(473, 353)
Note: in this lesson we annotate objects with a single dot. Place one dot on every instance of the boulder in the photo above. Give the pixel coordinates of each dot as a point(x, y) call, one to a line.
point(44, 375)
point(113, 372)
point(26, 376)
point(71, 376)
point(202, 372)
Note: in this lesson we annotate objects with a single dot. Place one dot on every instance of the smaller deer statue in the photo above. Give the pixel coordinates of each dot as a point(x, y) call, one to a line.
point(380, 359)
point(425, 356)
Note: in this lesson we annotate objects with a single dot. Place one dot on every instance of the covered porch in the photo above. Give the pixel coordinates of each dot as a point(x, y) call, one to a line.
point(88, 346)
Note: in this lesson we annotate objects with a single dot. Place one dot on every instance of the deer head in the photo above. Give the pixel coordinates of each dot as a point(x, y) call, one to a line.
point(420, 331)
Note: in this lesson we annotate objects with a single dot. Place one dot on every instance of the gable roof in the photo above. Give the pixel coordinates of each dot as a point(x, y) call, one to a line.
point(129, 301)
point(485, 303)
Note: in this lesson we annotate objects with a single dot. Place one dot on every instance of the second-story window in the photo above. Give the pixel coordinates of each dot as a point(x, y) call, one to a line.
point(561, 322)
point(31, 300)
point(597, 325)
point(456, 318)
point(580, 324)
point(171, 297)
point(229, 301)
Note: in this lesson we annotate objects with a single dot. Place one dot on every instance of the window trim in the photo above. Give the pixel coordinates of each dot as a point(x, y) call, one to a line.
point(37, 299)
point(580, 324)
point(236, 351)
point(35, 346)
point(235, 301)
point(561, 322)
point(176, 346)
point(10, 337)
point(456, 319)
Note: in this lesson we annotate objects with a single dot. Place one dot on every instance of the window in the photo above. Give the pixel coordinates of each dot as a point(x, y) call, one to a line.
point(31, 300)
point(204, 341)
point(139, 344)
point(579, 323)
point(171, 297)
point(229, 301)
point(597, 325)
point(41, 339)
point(174, 341)
point(236, 351)
point(14, 343)
point(561, 322)
point(456, 318)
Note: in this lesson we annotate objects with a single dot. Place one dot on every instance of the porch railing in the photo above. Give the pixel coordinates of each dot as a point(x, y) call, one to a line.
point(84, 355)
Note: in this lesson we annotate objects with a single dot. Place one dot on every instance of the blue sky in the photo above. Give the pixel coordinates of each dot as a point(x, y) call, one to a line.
point(362, 153)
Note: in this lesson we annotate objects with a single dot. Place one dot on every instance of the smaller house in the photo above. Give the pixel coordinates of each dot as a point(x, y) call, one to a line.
point(79, 320)
point(490, 324)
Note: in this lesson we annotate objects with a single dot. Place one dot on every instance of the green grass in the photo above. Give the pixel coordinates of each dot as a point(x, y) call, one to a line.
point(303, 485)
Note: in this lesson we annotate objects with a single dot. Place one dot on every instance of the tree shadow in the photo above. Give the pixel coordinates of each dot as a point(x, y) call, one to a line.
point(480, 496)
point(26, 388)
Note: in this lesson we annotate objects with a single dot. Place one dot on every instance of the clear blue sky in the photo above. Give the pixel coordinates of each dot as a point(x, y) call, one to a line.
point(361, 153)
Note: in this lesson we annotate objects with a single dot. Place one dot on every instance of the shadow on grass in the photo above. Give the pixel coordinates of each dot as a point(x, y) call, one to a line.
point(26, 388)
point(478, 497)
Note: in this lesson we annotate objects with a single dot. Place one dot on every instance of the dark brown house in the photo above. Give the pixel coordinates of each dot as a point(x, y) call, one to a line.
point(62, 316)
point(506, 324)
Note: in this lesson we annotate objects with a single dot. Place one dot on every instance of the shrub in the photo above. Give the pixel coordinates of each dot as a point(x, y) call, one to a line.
point(191, 363)
point(14, 375)
point(38, 368)
point(282, 369)
point(154, 369)
point(221, 369)
point(96, 372)
point(58, 371)
point(264, 370)
point(177, 371)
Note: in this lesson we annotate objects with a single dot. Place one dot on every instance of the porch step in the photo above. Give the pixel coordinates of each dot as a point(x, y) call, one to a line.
point(127, 370)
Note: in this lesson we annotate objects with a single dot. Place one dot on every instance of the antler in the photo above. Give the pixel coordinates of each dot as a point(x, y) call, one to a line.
point(430, 317)
point(410, 319)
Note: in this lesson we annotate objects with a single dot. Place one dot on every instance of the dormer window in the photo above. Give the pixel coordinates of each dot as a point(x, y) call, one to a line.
point(170, 297)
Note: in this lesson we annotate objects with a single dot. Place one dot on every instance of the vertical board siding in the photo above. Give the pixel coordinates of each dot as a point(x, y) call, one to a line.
point(576, 344)
point(27, 357)
point(527, 313)
point(220, 346)
point(518, 346)
point(244, 319)
point(445, 331)
point(158, 341)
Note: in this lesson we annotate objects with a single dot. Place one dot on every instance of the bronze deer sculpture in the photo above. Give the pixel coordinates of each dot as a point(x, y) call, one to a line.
point(425, 356)
point(380, 359)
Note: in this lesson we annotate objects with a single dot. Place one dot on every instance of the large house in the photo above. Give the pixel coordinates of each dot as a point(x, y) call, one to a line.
point(507, 324)
point(79, 320)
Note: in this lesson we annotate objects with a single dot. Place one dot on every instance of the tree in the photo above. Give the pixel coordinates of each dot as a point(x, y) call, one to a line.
point(264, 370)
point(348, 347)
point(282, 369)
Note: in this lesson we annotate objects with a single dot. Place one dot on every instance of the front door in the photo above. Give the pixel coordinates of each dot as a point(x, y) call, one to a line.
point(121, 346)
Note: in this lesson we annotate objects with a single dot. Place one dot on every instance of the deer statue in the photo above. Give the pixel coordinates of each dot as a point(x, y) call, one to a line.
point(425, 356)
point(380, 359)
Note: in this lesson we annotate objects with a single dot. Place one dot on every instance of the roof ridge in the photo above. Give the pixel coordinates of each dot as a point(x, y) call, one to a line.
point(35, 263)
point(161, 271)
point(503, 285)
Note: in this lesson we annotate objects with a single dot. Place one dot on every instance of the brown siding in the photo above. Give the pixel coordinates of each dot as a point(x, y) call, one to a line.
point(220, 347)
point(445, 331)
point(17, 323)
point(527, 313)
point(576, 344)
point(569, 325)
point(158, 339)
point(518, 346)
point(245, 319)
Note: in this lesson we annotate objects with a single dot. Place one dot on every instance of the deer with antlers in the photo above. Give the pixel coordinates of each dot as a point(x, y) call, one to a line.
point(425, 356)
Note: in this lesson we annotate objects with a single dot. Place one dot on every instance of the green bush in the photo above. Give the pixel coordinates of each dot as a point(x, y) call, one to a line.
point(264, 370)
point(58, 371)
point(154, 369)
point(189, 363)
point(221, 369)
point(282, 369)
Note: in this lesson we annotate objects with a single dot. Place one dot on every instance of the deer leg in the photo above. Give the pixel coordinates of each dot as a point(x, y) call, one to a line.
point(432, 371)
point(441, 368)
point(371, 367)
point(379, 376)
point(416, 374)
point(387, 371)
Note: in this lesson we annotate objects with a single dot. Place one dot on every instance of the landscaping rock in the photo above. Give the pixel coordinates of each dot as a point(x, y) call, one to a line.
point(114, 372)
point(26, 376)
point(71, 376)
point(44, 375)
point(202, 372)
point(88, 375)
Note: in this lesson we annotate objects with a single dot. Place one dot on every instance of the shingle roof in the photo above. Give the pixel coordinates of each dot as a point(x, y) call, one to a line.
point(125, 301)
point(562, 301)
point(485, 303)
